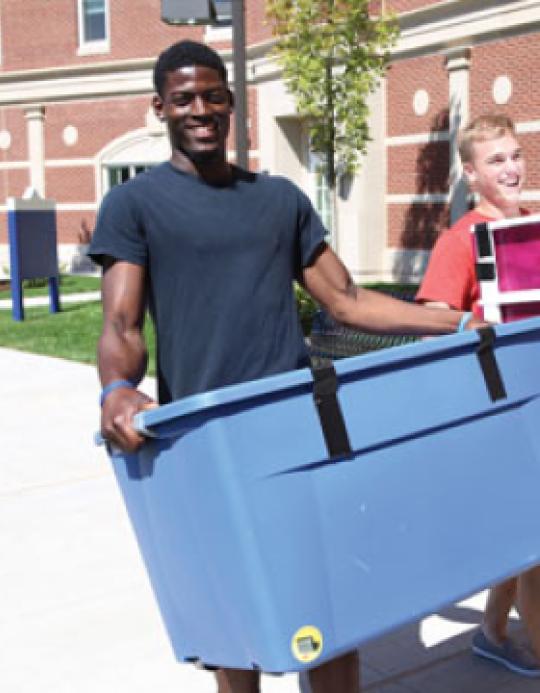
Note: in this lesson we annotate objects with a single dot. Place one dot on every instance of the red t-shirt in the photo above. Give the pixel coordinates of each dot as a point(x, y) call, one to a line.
point(450, 275)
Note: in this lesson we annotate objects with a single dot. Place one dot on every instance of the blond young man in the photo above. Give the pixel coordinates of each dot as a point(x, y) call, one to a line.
point(494, 166)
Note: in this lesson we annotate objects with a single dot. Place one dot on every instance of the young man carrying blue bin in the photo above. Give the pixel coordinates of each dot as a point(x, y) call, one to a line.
point(213, 250)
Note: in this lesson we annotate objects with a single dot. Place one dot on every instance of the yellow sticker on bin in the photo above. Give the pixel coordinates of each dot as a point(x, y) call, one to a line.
point(307, 644)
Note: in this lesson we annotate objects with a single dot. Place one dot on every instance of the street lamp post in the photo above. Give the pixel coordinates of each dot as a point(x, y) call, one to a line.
point(239, 63)
point(204, 12)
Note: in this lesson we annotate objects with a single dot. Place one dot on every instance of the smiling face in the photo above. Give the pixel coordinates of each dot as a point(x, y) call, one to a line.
point(497, 173)
point(196, 105)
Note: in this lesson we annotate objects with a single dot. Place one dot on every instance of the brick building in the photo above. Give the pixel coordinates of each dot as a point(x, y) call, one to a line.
point(75, 117)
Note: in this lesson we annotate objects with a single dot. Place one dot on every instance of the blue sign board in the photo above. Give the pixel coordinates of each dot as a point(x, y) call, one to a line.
point(32, 248)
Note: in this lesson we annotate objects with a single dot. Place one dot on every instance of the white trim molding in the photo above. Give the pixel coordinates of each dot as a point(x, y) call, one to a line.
point(418, 138)
point(444, 25)
point(63, 207)
point(14, 165)
point(69, 163)
point(91, 80)
point(417, 198)
point(77, 206)
point(531, 126)
point(530, 196)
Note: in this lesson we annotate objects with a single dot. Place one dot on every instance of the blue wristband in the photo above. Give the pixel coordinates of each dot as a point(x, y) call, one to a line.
point(463, 322)
point(115, 385)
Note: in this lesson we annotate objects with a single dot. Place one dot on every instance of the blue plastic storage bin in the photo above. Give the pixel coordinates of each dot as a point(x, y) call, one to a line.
point(264, 551)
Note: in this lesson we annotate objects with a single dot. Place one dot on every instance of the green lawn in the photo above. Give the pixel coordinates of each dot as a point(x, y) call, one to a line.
point(71, 334)
point(69, 284)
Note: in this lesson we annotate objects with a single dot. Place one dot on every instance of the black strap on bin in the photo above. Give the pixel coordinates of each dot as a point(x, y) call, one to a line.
point(485, 272)
point(488, 363)
point(483, 240)
point(325, 385)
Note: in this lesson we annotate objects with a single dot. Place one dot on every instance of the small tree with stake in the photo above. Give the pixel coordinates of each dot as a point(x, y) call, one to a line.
point(333, 54)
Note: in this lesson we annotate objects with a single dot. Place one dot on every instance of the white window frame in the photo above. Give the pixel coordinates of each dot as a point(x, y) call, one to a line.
point(130, 167)
point(219, 32)
point(320, 193)
point(93, 47)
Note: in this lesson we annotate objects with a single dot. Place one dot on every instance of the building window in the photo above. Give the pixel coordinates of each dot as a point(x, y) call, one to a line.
point(321, 195)
point(222, 29)
point(223, 12)
point(120, 174)
point(93, 26)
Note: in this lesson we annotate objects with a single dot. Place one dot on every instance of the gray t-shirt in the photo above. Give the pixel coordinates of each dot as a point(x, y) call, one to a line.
point(220, 265)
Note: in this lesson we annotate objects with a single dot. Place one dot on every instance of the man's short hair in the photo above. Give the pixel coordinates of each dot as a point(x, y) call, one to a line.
point(489, 126)
point(186, 53)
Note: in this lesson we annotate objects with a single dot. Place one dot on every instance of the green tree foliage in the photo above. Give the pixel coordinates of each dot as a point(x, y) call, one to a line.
point(333, 54)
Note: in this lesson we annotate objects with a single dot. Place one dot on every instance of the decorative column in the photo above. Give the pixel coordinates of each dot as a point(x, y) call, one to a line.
point(458, 63)
point(35, 117)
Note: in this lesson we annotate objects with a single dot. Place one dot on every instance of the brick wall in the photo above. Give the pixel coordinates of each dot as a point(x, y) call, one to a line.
point(409, 5)
point(53, 44)
point(69, 225)
point(531, 150)
point(13, 182)
point(97, 122)
point(418, 169)
point(56, 42)
point(73, 184)
point(516, 58)
point(147, 34)
point(403, 81)
point(13, 121)
point(257, 27)
point(144, 35)
point(415, 226)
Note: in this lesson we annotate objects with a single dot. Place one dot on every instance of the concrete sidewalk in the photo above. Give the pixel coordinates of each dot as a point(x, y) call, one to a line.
point(6, 304)
point(77, 613)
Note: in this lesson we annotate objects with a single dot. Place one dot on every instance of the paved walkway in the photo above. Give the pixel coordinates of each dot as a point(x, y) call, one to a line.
point(77, 614)
point(5, 303)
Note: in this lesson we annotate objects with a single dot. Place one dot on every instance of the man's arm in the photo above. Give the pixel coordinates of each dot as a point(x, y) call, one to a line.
point(329, 282)
point(122, 351)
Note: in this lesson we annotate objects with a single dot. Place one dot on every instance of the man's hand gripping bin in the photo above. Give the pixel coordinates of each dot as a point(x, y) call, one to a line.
point(265, 551)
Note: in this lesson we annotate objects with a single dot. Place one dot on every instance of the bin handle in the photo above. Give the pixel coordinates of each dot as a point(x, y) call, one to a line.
point(137, 425)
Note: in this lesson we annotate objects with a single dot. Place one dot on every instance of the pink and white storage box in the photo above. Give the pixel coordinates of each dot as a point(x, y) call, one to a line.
point(508, 267)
